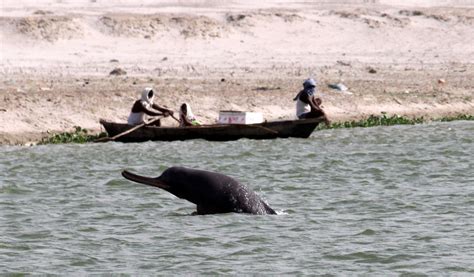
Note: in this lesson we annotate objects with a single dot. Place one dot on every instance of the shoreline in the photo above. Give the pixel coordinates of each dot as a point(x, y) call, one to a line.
point(33, 112)
point(81, 135)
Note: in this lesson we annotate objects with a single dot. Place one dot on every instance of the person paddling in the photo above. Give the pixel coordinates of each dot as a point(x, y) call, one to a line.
point(145, 106)
point(307, 105)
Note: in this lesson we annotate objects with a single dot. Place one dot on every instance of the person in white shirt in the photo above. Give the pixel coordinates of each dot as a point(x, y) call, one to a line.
point(186, 116)
point(307, 105)
point(145, 106)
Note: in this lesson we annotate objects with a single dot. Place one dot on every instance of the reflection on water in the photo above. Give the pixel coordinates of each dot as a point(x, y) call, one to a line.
point(382, 200)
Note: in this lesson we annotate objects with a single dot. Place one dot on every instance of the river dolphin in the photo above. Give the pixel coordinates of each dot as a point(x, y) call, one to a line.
point(212, 192)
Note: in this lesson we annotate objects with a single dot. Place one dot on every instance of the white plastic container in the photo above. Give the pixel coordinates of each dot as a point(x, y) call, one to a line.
point(237, 117)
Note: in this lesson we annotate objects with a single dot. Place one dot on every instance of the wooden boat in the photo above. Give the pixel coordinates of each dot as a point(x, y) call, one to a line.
point(219, 132)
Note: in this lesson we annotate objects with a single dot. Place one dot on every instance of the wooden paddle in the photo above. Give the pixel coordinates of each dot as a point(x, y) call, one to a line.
point(174, 117)
point(105, 139)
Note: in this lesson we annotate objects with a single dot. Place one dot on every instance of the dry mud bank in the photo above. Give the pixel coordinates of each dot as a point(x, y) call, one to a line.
point(56, 62)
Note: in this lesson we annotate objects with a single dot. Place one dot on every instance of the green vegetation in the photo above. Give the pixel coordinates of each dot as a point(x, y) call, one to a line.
point(459, 117)
point(79, 135)
point(385, 120)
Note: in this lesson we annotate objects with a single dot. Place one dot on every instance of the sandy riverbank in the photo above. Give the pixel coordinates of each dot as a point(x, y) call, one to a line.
point(56, 58)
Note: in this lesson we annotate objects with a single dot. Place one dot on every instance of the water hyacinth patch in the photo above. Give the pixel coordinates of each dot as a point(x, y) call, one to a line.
point(79, 135)
point(385, 120)
point(459, 117)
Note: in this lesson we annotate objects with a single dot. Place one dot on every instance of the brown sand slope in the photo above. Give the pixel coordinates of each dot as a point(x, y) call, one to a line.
point(56, 59)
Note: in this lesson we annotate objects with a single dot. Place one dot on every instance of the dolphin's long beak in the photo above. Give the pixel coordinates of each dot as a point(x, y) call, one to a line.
point(154, 182)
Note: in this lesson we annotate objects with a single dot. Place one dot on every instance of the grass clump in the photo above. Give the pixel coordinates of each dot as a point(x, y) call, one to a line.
point(79, 135)
point(385, 120)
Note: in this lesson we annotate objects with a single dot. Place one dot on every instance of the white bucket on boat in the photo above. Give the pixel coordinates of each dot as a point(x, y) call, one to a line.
point(238, 117)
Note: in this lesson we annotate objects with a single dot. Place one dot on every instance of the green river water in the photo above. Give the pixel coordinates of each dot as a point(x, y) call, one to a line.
point(365, 201)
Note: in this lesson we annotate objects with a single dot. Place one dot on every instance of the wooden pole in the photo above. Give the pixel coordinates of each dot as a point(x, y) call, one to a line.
point(128, 131)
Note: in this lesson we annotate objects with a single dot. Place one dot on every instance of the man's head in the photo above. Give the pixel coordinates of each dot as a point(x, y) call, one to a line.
point(148, 95)
point(309, 83)
point(184, 108)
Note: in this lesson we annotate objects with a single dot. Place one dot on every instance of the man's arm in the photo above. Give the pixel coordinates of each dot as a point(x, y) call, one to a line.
point(151, 113)
point(315, 106)
point(311, 101)
point(165, 111)
point(317, 102)
point(139, 107)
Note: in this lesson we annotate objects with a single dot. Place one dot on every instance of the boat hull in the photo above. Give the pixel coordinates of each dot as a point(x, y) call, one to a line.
point(221, 132)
